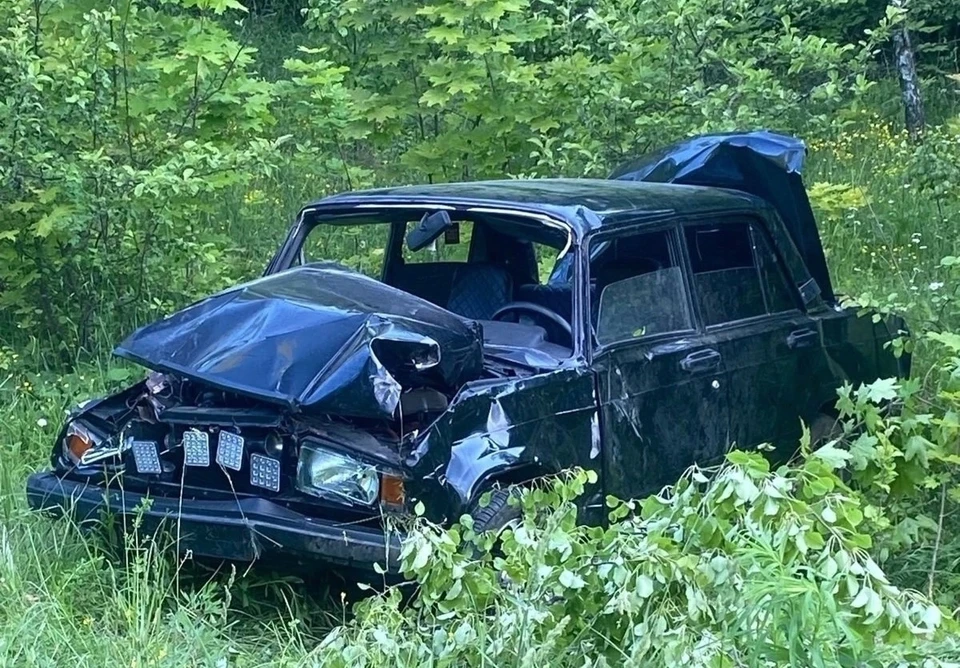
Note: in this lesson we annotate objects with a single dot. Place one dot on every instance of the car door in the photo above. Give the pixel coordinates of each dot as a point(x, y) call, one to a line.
point(753, 315)
point(662, 391)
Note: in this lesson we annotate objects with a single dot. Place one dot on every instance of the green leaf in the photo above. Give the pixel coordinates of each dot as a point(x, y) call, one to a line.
point(644, 588)
point(882, 390)
point(434, 97)
point(445, 34)
point(571, 580)
point(916, 448)
point(422, 557)
point(119, 374)
point(832, 456)
point(49, 222)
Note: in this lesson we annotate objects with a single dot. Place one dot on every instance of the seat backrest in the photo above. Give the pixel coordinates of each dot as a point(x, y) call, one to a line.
point(428, 280)
point(478, 290)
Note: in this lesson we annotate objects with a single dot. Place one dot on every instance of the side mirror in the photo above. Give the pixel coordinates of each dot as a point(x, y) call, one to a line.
point(428, 230)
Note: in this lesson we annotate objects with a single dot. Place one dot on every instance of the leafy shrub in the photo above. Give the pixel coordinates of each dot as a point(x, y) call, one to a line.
point(905, 462)
point(121, 126)
point(449, 91)
point(747, 567)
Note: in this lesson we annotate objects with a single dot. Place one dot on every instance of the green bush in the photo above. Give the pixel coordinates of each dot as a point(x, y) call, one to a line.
point(145, 162)
point(743, 566)
point(120, 128)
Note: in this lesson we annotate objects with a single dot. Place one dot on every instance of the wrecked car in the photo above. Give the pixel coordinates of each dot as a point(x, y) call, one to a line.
point(498, 332)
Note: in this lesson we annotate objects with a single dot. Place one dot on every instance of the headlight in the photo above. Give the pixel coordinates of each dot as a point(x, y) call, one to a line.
point(327, 474)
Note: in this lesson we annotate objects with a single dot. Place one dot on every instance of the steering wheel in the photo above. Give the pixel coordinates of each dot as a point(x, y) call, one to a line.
point(530, 307)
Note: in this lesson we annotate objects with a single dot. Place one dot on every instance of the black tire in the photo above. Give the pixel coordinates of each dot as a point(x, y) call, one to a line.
point(824, 429)
point(498, 513)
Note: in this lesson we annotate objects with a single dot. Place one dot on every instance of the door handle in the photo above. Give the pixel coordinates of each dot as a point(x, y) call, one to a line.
point(802, 338)
point(702, 360)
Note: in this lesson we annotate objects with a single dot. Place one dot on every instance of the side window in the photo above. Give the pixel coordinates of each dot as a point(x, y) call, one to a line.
point(735, 274)
point(638, 284)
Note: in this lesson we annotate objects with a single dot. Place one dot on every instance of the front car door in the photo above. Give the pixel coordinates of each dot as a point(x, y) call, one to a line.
point(662, 391)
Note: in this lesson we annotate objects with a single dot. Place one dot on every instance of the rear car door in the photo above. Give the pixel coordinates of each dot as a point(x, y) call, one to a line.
point(661, 389)
point(753, 315)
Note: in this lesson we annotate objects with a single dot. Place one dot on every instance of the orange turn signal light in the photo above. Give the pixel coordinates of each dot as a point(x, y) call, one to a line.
point(78, 445)
point(392, 492)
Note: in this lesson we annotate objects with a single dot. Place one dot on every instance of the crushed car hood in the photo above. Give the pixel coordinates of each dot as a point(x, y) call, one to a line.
point(762, 163)
point(318, 338)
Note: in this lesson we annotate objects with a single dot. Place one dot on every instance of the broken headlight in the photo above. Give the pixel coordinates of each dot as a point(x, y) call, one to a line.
point(328, 474)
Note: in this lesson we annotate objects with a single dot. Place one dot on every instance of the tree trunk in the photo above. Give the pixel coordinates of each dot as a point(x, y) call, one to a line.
point(907, 72)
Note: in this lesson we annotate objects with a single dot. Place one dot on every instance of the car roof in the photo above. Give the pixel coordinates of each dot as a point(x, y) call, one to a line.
point(611, 202)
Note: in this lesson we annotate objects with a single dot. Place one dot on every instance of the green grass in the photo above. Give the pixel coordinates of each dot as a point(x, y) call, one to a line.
point(73, 598)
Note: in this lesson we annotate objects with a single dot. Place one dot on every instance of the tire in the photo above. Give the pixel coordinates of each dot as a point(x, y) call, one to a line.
point(824, 429)
point(498, 513)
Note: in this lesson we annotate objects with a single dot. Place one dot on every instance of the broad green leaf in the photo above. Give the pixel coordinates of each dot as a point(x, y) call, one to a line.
point(881, 390)
point(832, 456)
point(52, 220)
point(571, 580)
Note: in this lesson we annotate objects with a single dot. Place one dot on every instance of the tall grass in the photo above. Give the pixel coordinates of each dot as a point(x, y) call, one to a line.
point(82, 598)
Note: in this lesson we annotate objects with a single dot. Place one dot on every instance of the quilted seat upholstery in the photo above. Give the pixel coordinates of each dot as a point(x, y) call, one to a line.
point(478, 290)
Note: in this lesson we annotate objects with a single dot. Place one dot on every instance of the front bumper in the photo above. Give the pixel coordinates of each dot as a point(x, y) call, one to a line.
point(243, 530)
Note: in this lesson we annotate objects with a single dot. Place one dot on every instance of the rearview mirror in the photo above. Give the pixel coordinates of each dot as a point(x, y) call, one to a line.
point(428, 230)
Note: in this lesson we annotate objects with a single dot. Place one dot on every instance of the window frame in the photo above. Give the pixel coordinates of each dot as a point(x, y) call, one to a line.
point(758, 229)
point(672, 228)
point(754, 224)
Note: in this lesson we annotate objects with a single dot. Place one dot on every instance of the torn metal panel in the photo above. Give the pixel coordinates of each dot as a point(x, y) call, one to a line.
point(316, 338)
point(762, 163)
point(543, 423)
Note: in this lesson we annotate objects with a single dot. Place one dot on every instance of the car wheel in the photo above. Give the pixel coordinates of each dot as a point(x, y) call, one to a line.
point(498, 513)
point(824, 429)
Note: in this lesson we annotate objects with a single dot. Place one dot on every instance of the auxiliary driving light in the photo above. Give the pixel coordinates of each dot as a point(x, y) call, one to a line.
point(145, 457)
point(265, 472)
point(196, 448)
point(230, 450)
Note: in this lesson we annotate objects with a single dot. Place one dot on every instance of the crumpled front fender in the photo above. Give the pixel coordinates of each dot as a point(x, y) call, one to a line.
point(539, 425)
